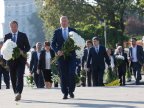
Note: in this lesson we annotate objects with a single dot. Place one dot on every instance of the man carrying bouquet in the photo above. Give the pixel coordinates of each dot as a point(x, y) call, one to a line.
point(17, 66)
point(67, 65)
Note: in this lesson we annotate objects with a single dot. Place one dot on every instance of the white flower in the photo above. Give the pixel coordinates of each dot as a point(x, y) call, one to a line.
point(7, 49)
point(120, 57)
point(79, 41)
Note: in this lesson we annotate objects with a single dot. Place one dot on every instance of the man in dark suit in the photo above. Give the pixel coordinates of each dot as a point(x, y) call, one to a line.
point(3, 71)
point(67, 66)
point(136, 56)
point(98, 56)
point(84, 61)
point(38, 78)
point(17, 66)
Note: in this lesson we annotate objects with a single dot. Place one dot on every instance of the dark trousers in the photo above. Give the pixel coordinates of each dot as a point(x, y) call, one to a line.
point(5, 74)
point(122, 73)
point(89, 77)
point(17, 69)
point(67, 75)
point(137, 71)
point(97, 76)
point(39, 80)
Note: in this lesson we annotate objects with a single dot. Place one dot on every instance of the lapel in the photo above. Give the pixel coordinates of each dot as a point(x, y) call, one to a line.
point(36, 55)
point(18, 37)
point(94, 50)
point(10, 36)
point(99, 49)
point(137, 51)
point(130, 52)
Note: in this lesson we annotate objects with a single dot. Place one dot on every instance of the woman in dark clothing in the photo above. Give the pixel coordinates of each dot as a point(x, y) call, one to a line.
point(122, 66)
point(46, 57)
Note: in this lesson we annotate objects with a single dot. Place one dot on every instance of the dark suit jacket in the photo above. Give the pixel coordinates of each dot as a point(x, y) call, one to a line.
point(85, 56)
point(58, 40)
point(98, 60)
point(42, 62)
point(140, 54)
point(22, 42)
point(34, 62)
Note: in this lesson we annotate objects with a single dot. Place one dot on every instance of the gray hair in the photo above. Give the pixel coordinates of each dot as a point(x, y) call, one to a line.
point(63, 17)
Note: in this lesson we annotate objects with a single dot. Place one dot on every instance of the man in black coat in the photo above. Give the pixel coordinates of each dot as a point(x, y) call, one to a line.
point(97, 58)
point(38, 78)
point(67, 66)
point(17, 66)
point(136, 56)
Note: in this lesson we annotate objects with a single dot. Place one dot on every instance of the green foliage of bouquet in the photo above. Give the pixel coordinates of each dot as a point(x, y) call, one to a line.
point(68, 47)
point(30, 81)
point(83, 75)
point(55, 75)
point(119, 60)
point(110, 75)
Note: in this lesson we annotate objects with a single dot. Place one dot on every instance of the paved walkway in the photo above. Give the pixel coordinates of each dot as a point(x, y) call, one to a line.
point(130, 96)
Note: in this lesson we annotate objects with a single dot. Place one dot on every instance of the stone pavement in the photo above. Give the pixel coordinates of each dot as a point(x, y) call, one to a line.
point(130, 96)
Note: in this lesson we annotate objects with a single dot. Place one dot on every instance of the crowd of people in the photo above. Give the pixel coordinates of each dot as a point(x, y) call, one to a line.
point(95, 61)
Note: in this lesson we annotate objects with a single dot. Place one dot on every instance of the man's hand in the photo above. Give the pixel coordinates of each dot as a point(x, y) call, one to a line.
point(60, 53)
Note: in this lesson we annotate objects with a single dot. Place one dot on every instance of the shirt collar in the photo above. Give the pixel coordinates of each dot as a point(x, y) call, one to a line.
point(134, 46)
point(97, 46)
point(65, 28)
point(15, 33)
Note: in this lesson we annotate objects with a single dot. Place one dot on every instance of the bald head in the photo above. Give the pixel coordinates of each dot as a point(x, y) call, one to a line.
point(64, 21)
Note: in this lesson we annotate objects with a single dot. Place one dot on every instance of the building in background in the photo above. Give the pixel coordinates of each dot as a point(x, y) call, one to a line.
point(19, 10)
point(2, 14)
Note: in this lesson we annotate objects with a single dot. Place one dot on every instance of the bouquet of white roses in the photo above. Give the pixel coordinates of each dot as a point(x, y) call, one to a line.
point(10, 51)
point(119, 59)
point(79, 42)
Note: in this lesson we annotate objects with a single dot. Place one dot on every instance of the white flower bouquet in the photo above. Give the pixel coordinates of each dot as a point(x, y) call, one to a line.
point(10, 51)
point(79, 42)
point(119, 59)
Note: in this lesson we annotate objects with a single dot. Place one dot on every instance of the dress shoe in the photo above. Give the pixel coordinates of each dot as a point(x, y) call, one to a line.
point(18, 97)
point(71, 95)
point(7, 87)
point(65, 97)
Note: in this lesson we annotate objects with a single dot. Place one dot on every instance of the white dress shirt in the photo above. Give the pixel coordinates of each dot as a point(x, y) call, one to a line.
point(38, 55)
point(134, 54)
point(48, 60)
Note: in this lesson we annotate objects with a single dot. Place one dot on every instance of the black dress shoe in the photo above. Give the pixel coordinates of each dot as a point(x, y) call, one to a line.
point(65, 97)
point(18, 97)
point(7, 87)
point(71, 95)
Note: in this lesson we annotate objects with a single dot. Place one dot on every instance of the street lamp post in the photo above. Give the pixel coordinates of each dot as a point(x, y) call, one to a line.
point(105, 35)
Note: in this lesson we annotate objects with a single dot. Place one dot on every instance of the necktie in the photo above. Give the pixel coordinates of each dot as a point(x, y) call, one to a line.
point(14, 38)
point(97, 49)
point(65, 34)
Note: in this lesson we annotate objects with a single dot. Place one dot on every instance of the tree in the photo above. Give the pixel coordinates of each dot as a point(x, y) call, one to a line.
point(86, 17)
